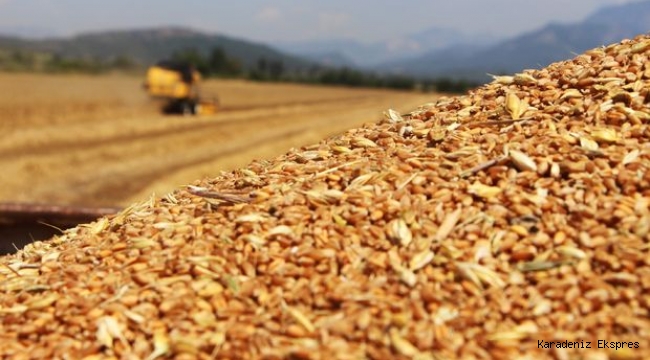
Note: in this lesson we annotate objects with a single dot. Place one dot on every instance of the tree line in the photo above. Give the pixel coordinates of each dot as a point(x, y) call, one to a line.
point(217, 63)
point(29, 61)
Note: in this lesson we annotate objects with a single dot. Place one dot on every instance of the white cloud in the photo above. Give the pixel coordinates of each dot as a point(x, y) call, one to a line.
point(332, 21)
point(267, 14)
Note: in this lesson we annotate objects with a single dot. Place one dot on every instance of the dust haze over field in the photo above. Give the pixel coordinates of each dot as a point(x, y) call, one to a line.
point(99, 141)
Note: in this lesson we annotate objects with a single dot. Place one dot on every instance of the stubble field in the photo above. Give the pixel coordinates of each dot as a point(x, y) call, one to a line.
point(99, 140)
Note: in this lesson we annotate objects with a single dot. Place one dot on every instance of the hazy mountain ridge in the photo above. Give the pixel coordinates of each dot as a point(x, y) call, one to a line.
point(373, 54)
point(26, 32)
point(147, 46)
point(331, 59)
point(535, 49)
point(633, 17)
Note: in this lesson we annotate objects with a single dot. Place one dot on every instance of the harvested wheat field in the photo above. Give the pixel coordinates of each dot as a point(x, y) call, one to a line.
point(510, 223)
point(98, 140)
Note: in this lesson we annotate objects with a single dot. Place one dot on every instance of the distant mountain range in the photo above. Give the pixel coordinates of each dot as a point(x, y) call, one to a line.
point(363, 55)
point(433, 53)
point(151, 45)
point(27, 32)
point(440, 52)
point(536, 49)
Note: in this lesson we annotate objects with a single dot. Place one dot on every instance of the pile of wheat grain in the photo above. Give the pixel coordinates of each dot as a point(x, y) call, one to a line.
point(492, 225)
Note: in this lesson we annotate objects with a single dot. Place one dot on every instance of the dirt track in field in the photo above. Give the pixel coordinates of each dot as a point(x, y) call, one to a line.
point(84, 140)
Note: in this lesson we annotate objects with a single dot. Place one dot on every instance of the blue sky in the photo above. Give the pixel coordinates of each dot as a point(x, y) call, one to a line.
point(291, 20)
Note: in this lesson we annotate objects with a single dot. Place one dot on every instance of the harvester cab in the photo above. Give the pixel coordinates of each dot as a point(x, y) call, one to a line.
point(177, 85)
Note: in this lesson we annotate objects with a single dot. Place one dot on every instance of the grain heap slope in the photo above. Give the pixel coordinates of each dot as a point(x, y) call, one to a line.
point(474, 227)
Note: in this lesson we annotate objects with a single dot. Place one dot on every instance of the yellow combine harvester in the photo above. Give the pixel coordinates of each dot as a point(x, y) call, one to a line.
point(177, 84)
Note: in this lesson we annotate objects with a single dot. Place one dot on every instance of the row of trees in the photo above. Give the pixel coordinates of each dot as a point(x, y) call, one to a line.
point(217, 63)
point(21, 60)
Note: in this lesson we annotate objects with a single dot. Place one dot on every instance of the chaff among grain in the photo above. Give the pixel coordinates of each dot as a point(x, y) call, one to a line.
point(481, 167)
point(228, 198)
